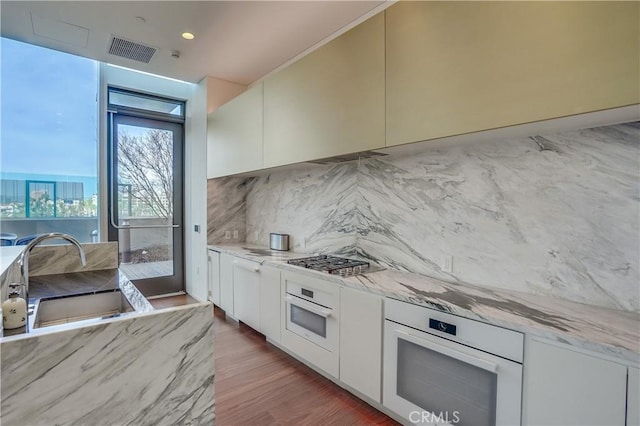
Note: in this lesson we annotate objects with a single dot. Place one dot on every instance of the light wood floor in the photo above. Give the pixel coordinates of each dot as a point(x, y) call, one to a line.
point(258, 384)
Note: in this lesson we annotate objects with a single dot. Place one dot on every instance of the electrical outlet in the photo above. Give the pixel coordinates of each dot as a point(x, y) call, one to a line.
point(235, 234)
point(447, 263)
point(227, 235)
point(196, 228)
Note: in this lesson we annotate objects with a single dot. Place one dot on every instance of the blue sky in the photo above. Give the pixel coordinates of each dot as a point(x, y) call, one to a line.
point(48, 111)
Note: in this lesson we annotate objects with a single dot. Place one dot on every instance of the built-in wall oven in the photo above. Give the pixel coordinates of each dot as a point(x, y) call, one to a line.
point(444, 369)
point(310, 319)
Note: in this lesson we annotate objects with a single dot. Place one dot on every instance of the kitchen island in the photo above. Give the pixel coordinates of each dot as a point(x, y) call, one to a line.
point(147, 367)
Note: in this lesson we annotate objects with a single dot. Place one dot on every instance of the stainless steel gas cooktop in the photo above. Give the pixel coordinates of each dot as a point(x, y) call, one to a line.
point(331, 264)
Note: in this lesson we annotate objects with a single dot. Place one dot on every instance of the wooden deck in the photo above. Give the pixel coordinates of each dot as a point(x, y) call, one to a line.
point(137, 271)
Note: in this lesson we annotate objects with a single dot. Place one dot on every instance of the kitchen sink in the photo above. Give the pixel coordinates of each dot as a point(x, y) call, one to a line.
point(79, 307)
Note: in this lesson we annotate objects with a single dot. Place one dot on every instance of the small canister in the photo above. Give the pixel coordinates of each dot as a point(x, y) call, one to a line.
point(279, 242)
point(14, 310)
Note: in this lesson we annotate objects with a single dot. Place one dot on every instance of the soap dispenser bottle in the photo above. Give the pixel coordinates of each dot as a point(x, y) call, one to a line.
point(14, 309)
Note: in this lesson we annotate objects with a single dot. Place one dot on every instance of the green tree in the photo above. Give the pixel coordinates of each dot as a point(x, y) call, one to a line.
point(146, 162)
point(41, 204)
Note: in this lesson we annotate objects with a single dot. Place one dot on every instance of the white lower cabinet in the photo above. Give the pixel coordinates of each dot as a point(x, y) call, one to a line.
point(226, 283)
point(246, 292)
point(361, 324)
point(339, 331)
point(566, 387)
point(270, 302)
point(213, 258)
point(633, 397)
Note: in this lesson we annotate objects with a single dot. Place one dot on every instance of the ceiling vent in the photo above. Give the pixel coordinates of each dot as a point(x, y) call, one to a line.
point(349, 157)
point(131, 50)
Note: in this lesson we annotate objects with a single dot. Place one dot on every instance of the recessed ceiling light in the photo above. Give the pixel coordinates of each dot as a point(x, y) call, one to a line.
point(188, 36)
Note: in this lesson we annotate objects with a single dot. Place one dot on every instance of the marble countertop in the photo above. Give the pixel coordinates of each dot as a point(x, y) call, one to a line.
point(606, 331)
point(87, 282)
point(8, 255)
point(55, 285)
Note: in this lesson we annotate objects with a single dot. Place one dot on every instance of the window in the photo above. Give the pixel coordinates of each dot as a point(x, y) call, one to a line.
point(48, 142)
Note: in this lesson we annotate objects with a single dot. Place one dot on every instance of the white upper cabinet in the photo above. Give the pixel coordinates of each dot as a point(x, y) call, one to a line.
point(460, 67)
point(330, 102)
point(234, 135)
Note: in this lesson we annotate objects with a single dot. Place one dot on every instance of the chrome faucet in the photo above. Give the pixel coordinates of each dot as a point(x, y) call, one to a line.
point(24, 260)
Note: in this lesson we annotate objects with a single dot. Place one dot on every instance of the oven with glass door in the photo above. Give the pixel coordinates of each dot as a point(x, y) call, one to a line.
point(310, 319)
point(444, 369)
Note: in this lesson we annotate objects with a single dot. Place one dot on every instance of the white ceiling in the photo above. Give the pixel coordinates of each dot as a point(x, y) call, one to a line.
point(239, 41)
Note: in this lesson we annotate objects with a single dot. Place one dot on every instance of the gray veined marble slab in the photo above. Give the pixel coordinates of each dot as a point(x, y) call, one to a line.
point(554, 214)
point(255, 252)
point(226, 198)
point(57, 259)
point(606, 331)
point(317, 207)
point(64, 258)
point(155, 369)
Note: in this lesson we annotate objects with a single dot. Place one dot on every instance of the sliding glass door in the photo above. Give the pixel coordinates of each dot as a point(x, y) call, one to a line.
point(146, 200)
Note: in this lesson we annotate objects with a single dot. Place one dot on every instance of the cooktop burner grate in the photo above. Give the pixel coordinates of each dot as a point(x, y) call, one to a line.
point(331, 264)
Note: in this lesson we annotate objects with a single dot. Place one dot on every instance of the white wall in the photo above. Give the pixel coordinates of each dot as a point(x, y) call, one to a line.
point(195, 196)
point(195, 209)
point(221, 91)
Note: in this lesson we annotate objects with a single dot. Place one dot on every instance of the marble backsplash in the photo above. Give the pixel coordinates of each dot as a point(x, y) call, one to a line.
point(317, 207)
point(61, 259)
point(64, 259)
point(226, 207)
point(556, 215)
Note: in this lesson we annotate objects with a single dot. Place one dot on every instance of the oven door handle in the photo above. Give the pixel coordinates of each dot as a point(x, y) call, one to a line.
point(312, 307)
point(452, 353)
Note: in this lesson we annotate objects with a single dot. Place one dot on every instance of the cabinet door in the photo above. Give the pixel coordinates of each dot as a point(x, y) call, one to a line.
point(226, 283)
point(214, 277)
point(460, 67)
point(330, 102)
point(270, 302)
point(565, 387)
point(361, 324)
point(633, 397)
point(234, 135)
point(246, 292)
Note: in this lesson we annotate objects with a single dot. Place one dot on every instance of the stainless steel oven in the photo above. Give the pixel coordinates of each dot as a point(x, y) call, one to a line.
point(444, 369)
point(311, 327)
